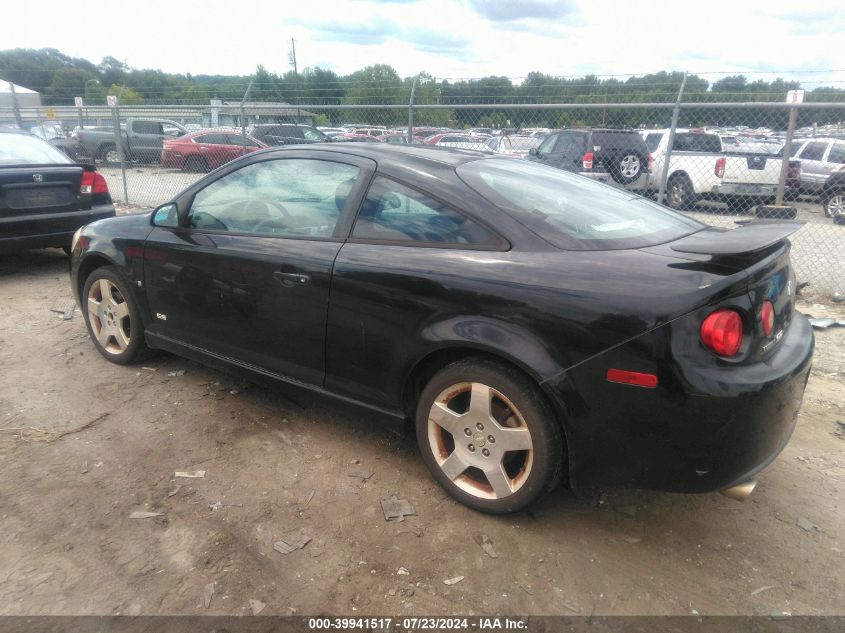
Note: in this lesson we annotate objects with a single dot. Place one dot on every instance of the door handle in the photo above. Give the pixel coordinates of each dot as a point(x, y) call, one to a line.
point(289, 280)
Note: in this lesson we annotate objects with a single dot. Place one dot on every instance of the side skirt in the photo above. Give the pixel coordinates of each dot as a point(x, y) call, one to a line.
point(393, 420)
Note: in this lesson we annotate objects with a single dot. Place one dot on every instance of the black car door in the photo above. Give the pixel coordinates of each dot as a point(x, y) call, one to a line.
point(247, 273)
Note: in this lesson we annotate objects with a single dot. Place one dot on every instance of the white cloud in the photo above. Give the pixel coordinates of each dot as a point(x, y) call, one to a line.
point(449, 38)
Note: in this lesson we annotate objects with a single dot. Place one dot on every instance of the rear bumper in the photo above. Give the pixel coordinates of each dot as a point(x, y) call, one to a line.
point(743, 189)
point(43, 230)
point(711, 429)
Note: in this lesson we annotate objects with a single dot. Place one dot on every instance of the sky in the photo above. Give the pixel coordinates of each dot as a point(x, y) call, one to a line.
point(449, 38)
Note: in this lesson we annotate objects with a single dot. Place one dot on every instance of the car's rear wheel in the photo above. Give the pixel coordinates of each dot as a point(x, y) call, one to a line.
point(627, 168)
point(112, 317)
point(109, 155)
point(196, 164)
point(834, 204)
point(488, 436)
point(679, 192)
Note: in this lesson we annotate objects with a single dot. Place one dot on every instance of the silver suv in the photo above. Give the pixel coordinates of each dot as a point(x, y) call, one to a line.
point(819, 158)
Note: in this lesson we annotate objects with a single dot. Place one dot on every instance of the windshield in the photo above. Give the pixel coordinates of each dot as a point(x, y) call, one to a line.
point(22, 149)
point(571, 211)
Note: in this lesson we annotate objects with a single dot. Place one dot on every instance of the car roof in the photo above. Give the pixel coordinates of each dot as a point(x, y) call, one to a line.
point(399, 157)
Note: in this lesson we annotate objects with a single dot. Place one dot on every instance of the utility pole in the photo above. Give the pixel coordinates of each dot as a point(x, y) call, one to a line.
point(243, 116)
point(292, 59)
point(293, 56)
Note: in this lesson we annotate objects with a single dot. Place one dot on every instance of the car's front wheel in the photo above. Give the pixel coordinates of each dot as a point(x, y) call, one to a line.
point(112, 317)
point(488, 436)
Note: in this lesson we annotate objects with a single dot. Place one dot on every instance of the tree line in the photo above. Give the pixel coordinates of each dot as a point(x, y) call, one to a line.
point(59, 78)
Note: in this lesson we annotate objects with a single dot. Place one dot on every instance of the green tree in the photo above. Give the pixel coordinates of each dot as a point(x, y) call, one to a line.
point(127, 97)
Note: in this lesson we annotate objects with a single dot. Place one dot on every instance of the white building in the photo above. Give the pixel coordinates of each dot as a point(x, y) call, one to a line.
point(26, 98)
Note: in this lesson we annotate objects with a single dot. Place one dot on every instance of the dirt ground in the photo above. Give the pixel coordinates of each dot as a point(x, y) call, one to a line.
point(84, 443)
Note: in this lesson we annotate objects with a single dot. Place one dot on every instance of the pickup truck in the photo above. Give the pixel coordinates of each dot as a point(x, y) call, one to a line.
point(701, 167)
point(142, 140)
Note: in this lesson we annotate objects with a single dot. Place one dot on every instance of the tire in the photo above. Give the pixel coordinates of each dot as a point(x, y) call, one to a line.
point(627, 167)
point(114, 325)
point(834, 204)
point(108, 154)
point(460, 458)
point(196, 164)
point(679, 192)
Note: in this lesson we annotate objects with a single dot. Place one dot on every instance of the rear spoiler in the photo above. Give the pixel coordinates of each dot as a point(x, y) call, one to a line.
point(748, 238)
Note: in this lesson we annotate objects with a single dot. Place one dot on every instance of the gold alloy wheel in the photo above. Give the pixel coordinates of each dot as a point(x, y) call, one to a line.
point(108, 313)
point(480, 440)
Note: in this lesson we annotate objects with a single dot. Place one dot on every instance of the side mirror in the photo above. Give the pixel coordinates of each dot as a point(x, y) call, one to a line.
point(166, 216)
point(533, 151)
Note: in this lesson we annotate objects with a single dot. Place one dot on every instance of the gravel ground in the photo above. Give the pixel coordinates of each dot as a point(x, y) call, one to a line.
point(84, 444)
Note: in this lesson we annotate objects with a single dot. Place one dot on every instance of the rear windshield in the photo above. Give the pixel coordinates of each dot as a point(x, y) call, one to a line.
point(696, 142)
point(22, 149)
point(572, 211)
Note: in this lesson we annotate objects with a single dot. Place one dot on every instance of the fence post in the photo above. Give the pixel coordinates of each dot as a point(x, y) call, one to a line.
point(118, 141)
point(787, 150)
point(670, 142)
point(411, 111)
point(243, 117)
point(15, 107)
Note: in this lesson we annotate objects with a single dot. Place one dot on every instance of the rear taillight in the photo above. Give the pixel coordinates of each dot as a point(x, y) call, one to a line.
point(720, 167)
point(767, 317)
point(650, 161)
point(92, 183)
point(721, 331)
point(587, 160)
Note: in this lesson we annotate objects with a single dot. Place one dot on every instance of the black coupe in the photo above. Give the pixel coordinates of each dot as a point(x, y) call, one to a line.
point(531, 324)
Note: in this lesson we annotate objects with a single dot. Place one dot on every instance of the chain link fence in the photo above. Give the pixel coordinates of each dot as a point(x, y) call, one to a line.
point(720, 162)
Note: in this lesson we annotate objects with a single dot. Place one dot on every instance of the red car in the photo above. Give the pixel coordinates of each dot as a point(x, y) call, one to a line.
point(206, 150)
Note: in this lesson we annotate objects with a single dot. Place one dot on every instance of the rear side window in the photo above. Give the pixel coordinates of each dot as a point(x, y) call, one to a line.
point(688, 142)
point(395, 213)
point(837, 153)
point(813, 151)
point(238, 139)
point(573, 212)
point(147, 127)
point(213, 139)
